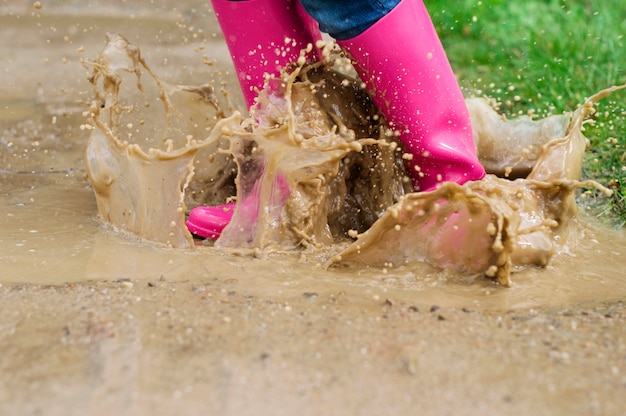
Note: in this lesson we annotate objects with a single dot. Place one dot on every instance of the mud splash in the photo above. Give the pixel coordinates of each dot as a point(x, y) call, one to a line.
point(49, 236)
point(288, 140)
point(302, 163)
point(492, 226)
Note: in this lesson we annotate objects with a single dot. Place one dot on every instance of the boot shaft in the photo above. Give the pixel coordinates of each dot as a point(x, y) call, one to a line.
point(263, 37)
point(401, 60)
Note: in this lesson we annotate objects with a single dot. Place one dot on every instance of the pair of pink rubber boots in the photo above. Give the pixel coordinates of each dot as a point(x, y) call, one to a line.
point(403, 64)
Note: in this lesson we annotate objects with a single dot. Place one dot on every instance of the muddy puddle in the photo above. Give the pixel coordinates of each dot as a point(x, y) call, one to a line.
point(52, 233)
point(93, 317)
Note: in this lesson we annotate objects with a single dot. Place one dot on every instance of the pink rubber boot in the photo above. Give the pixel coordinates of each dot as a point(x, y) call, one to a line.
point(209, 222)
point(263, 37)
point(403, 64)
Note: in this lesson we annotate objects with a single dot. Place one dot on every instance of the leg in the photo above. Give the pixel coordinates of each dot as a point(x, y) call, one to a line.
point(263, 37)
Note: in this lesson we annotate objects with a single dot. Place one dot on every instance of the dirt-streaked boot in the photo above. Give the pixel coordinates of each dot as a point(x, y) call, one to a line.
point(402, 62)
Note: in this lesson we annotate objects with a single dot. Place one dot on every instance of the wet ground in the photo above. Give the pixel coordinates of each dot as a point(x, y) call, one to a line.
point(94, 323)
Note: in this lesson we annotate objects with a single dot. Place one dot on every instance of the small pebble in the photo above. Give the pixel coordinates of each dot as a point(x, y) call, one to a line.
point(126, 284)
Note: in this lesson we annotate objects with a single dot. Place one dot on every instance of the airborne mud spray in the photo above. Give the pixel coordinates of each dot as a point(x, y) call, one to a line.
point(316, 175)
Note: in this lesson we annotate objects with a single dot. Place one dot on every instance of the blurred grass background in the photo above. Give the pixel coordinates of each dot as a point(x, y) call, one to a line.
point(542, 57)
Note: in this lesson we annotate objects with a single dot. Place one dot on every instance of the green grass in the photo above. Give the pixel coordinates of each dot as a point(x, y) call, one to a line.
point(543, 57)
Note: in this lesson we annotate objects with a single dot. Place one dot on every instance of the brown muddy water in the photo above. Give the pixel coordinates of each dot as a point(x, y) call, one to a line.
point(94, 322)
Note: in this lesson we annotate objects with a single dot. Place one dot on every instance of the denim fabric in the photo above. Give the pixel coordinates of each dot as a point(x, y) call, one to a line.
point(347, 19)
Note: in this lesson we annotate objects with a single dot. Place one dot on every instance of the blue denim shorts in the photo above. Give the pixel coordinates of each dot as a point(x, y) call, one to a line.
point(347, 19)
